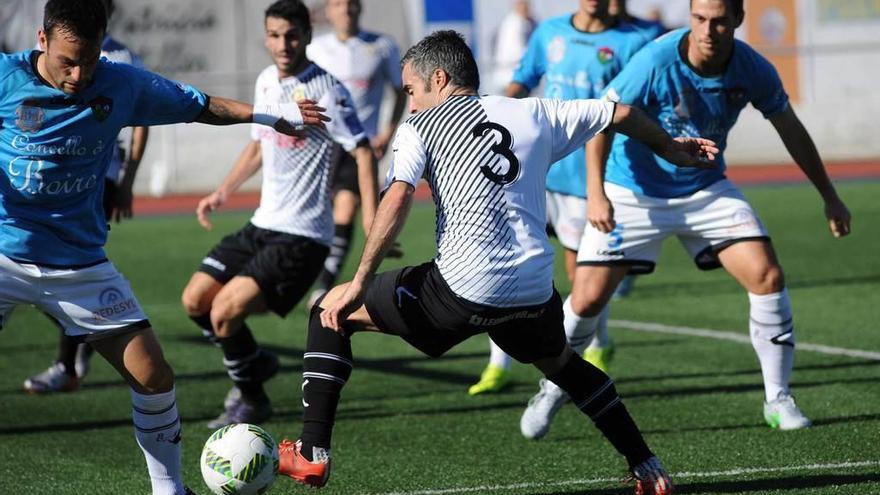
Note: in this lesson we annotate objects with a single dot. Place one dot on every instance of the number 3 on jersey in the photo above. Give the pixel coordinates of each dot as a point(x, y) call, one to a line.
point(502, 148)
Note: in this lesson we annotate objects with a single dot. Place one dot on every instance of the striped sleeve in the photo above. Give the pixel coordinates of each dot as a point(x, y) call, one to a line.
point(410, 157)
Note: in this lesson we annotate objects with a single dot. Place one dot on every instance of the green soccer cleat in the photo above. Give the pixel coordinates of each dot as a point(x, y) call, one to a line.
point(784, 414)
point(493, 379)
point(601, 357)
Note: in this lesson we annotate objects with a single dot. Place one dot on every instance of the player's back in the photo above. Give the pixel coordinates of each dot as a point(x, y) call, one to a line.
point(486, 159)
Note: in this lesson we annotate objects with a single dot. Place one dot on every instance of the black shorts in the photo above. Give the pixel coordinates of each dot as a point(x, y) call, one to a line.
point(345, 172)
point(416, 304)
point(283, 265)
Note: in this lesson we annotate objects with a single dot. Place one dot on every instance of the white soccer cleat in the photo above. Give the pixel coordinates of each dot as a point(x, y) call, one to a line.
point(543, 406)
point(784, 414)
point(54, 379)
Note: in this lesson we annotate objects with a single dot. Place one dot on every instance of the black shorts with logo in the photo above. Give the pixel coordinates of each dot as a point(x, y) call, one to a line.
point(416, 304)
point(283, 265)
point(345, 172)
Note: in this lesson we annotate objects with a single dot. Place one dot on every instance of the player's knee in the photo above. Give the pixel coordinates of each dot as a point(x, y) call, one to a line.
point(226, 313)
point(193, 302)
point(769, 281)
point(587, 303)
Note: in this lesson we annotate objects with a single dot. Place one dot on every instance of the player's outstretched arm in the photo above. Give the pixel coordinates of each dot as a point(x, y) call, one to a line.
point(249, 161)
point(283, 117)
point(516, 90)
point(682, 152)
point(390, 218)
point(802, 149)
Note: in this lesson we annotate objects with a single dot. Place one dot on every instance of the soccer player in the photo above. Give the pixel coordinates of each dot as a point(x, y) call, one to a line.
point(366, 63)
point(695, 82)
point(61, 109)
point(576, 56)
point(485, 159)
point(72, 363)
point(272, 261)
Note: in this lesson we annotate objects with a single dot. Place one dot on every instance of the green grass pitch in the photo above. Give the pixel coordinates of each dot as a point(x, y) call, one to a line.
point(406, 424)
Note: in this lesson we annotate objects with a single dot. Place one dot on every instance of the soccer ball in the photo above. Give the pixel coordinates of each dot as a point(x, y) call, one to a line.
point(239, 459)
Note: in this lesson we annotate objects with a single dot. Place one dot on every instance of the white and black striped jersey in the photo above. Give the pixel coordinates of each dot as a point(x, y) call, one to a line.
point(365, 63)
point(486, 161)
point(295, 196)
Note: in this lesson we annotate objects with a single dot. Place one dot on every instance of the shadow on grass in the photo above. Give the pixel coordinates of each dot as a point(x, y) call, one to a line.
point(789, 483)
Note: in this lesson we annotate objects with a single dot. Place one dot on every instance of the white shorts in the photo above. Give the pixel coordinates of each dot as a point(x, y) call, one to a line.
point(568, 217)
point(93, 302)
point(705, 223)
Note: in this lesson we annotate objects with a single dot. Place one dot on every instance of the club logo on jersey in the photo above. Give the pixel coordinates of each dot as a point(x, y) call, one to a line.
point(30, 118)
point(298, 93)
point(101, 107)
point(605, 55)
point(556, 50)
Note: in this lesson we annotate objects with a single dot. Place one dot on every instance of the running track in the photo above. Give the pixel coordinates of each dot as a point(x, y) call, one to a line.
point(750, 175)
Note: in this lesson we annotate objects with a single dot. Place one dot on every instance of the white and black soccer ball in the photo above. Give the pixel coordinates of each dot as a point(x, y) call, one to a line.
point(240, 459)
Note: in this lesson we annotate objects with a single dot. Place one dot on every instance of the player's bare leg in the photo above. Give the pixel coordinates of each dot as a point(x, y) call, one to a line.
point(220, 310)
point(345, 209)
point(138, 357)
point(754, 265)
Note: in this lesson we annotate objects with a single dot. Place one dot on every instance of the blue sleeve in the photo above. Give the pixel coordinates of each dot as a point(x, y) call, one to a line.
point(631, 86)
point(159, 101)
point(768, 95)
point(533, 63)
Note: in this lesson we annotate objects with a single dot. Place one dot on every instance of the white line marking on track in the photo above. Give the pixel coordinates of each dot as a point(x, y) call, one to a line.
point(675, 476)
point(737, 337)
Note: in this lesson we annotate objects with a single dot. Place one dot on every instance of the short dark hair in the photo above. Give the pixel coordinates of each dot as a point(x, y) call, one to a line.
point(735, 5)
point(83, 19)
point(444, 50)
point(292, 11)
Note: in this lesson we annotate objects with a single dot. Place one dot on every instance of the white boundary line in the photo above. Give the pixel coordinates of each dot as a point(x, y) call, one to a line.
point(683, 475)
point(737, 337)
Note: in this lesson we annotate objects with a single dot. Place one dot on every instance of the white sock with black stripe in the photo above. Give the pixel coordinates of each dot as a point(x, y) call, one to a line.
point(772, 331)
point(579, 330)
point(157, 430)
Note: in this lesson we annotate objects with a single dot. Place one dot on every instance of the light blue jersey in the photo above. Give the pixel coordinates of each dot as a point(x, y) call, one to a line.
point(651, 29)
point(55, 149)
point(575, 65)
point(658, 81)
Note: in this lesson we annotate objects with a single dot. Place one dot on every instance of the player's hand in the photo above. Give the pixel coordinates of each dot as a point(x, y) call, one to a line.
point(335, 315)
point(311, 114)
point(122, 202)
point(380, 144)
point(838, 217)
point(691, 152)
point(600, 213)
point(207, 205)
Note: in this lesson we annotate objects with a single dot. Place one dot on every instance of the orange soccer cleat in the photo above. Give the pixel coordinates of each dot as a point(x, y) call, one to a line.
point(651, 479)
point(294, 465)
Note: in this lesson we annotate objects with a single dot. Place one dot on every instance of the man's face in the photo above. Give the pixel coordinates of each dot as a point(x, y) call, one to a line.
point(616, 7)
point(286, 43)
point(712, 26)
point(421, 95)
point(70, 61)
point(344, 15)
point(595, 8)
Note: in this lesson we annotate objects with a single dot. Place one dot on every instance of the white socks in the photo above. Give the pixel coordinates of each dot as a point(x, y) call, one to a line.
point(772, 332)
point(157, 430)
point(580, 330)
point(498, 357)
